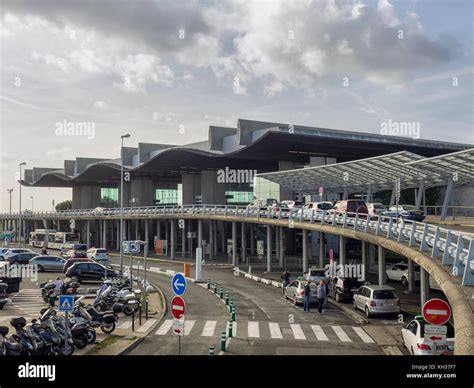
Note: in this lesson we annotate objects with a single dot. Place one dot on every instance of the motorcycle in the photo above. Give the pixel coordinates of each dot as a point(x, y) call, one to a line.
point(24, 336)
point(3, 295)
point(108, 295)
point(105, 320)
point(49, 293)
point(8, 346)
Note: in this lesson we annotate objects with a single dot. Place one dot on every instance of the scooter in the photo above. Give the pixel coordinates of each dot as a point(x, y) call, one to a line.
point(107, 296)
point(105, 320)
point(3, 295)
point(8, 346)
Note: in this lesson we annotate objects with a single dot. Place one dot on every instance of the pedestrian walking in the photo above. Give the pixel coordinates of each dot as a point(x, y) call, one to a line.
point(321, 294)
point(325, 304)
point(307, 296)
point(285, 279)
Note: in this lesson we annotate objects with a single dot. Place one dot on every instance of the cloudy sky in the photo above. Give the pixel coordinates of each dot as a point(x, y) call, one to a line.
point(153, 67)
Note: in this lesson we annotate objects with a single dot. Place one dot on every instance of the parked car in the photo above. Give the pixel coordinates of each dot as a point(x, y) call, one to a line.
point(21, 258)
point(48, 263)
point(295, 291)
point(407, 212)
point(279, 207)
point(69, 262)
point(375, 299)
point(261, 203)
point(14, 251)
point(3, 251)
point(316, 274)
point(342, 289)
point(98, 254)
point(293, 204)
point(73, 254)
point(413, 335)
point(376, 209)
point(351, 207)
point(89, 270)
point(399, 273)
point(316, 206)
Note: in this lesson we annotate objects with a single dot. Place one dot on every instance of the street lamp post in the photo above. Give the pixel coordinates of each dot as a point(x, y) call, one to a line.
point(19, 215)
point(126, 136)
point(10, 192)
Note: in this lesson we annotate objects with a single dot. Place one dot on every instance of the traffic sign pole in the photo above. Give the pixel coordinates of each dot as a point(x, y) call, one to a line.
point(66, 332)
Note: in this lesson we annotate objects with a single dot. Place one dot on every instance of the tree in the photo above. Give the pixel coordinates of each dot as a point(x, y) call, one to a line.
point(65, 205)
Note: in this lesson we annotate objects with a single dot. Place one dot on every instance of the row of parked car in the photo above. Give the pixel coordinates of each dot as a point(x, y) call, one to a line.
point(350, 206)
point(92, 264)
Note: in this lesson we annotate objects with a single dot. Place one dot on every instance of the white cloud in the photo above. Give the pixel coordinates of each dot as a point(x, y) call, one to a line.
point(101, 105)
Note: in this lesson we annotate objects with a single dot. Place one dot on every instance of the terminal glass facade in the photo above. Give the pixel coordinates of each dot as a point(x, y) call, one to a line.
point(234, 197)
point(264, 189)
point(109, 196)
point(169, 196)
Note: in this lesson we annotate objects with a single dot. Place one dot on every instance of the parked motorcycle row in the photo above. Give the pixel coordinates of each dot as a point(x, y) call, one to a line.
point(47, 335)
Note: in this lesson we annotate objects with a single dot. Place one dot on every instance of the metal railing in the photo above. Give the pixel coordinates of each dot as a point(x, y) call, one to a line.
point(455, 249)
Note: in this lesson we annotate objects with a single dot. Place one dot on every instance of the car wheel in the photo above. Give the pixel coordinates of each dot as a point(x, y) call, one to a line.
point(40, 268)
point(367, 312)
point(338, 299)
point(355, 305)
point(404, 280)
point(295, 300)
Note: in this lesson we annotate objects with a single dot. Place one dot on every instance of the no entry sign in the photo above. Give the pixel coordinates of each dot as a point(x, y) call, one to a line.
point(436, 312)
point(178, 307)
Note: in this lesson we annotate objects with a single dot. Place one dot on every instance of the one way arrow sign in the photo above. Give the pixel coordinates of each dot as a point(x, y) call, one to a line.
point(178, 284)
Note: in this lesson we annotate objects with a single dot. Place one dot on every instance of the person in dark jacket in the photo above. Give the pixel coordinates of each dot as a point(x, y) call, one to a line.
point(307, 296)
point(321, 294)
point(325, 304)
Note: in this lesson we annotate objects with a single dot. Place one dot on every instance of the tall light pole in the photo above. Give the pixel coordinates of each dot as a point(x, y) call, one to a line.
point(10, 192)
point(19, 216)
point(32, 203)
point(126, 136)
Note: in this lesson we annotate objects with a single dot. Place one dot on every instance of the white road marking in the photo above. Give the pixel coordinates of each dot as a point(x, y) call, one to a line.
point(143, 328)
point(165, 327)
point(275, 331)
point(319, 333)
point(209, 329)
point(125, 325)
point(188, 326)
point(363, 335)
point(253, 330)
point(341, 334)
point(297, 331)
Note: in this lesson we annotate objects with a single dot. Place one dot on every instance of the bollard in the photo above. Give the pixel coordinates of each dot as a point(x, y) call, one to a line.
point(208, 284)
point(230, 329)
point(232, 314)
point(140, 314)
point(223, 341)
point(215, 288)
point(146, 310)
point(221, 293)
point(226, 298)
point(133, 320)
point(211, 350)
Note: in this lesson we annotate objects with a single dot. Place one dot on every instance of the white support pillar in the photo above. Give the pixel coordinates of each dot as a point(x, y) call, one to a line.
point(305, 250)
point(381, 262)
point(419, 197)
point(104, 237)
point(211, 239)
point(269, 248)
point(447, 198)
point(199, 236)
point(234, 243)
point(243, 243)
point(392, 197)
point(322, 249)
point(411, 276)
point(158, 229)
point(369, 194)
point(183, 240)
point(173, 235)
point(365, 261)
point(88, 236)
point(424, 286)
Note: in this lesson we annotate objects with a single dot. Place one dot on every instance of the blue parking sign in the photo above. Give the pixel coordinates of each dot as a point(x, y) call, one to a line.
point(66, 303)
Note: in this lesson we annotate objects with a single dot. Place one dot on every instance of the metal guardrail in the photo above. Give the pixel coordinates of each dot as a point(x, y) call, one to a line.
point(454, 249)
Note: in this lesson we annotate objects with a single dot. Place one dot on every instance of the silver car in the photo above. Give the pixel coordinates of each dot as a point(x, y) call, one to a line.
point(48, 263)
point(375, 299)
point(295, 291)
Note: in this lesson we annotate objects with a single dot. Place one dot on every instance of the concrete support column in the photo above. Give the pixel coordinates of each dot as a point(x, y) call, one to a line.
point(381, 260)
point(104, 238)
point(183, 240)
point(167, 235)
point(447, 198)
point(342, 250)
point(277, 242)
point(147, 239)
point(269, 248)
point(223, 237)
point(305, 251)
point(322, 249)
point(214, 229)
point(199, 235)
point(211, 240)
point(137, 232)
point(173, 235)
point(243, 243)
point(252, 240)
point(158, 229)
point(118, 236)
point(129, 230)
point(411, 276)
point(88, 233)
point(424, 286)
point(365, 259)
point(234, 243)
point(281, 238)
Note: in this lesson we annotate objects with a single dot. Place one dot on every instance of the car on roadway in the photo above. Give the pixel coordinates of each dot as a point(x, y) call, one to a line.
point(3, 251)
point(406, 212)
point(279, 208)
point(374, 300)
point(351, 207)
point(318, 207)
point(342, 289)
point(295, 291)
point(399, 272)
point(70, 262)
point(262, 204)
point(97, 254)
point(413, 337)
point(90, 270)
point(316, 274)
point(293, 204)
point(15, 251)
point(376, 209)
point(22, 258)
point(48, 263)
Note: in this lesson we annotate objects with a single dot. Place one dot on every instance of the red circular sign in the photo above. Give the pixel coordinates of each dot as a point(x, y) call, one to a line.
point(178, 307)
point(436, 312)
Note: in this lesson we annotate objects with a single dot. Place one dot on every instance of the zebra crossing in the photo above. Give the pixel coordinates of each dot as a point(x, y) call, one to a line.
point(271, 330)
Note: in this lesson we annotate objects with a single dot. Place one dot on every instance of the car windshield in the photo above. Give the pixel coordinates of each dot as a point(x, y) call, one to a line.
point(379, 206)
point(317, 273)
point(407, 207)
point(101, 250)
point(324, 206)
point(384, 294)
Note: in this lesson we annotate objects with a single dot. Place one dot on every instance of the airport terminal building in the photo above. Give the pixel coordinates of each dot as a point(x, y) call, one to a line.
point(222, 169)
